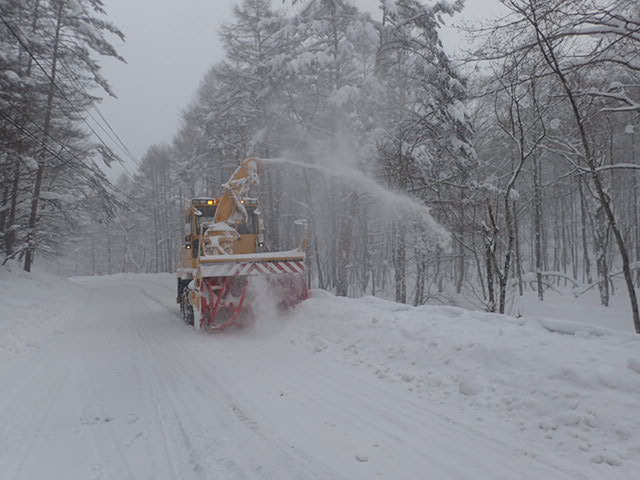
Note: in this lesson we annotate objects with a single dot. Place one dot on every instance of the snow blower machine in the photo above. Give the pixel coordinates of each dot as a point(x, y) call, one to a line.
point(225, 255)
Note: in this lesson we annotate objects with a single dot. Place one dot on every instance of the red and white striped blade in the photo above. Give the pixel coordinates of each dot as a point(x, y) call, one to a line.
point(252, 268)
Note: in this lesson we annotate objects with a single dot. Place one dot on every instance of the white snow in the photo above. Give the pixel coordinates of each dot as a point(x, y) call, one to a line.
point(30, 163)
point(458, 111)
point(343, 95)
point(45, 195)
point(31, 305)
point(101, 379)
point(11, 76)
point(578, 311)
point(288, 254)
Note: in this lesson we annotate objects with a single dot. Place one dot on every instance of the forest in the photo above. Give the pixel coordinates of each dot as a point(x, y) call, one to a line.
point(417, 176)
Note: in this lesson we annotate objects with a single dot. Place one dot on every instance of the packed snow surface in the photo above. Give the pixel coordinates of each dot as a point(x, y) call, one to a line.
point(101, 379)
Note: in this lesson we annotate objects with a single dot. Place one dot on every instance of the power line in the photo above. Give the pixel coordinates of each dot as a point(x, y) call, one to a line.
point(73, 165)
point(55, 85)
point(47, 148)
point(54, 140)
point(118, 141)
point(90, 179)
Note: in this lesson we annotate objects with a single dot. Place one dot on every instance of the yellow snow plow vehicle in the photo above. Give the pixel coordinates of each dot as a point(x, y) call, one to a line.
point(225, 252)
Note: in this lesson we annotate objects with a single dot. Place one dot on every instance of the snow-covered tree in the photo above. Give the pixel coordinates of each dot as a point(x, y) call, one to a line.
point(51, 158)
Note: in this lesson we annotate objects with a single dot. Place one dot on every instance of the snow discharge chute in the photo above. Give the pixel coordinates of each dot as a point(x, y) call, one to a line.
point(225, 251)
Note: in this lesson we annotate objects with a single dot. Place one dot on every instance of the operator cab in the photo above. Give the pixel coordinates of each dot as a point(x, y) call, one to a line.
point(203, 213)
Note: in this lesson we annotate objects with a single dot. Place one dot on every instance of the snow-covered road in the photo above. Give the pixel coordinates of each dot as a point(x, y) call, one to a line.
point(122, 389)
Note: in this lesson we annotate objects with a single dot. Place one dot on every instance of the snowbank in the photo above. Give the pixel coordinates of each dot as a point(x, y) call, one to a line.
point(569, 388)
point(32, 307)
point(584, 309)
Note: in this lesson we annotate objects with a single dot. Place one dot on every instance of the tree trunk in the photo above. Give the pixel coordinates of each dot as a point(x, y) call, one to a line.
point(33, 217)
point(537, 224)
point(548, 51)
point(489, 264)
point(10, 234)
point(518, 265)
point(343, 248)
point(636, 214)
point(583, 231)
point(399, 263)
point(461, 257)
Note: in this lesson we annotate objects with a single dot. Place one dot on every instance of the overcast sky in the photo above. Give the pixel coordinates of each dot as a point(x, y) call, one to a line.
point(169, 46)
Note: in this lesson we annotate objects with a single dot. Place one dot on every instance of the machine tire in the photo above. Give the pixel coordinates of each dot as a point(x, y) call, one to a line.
point(186, 309)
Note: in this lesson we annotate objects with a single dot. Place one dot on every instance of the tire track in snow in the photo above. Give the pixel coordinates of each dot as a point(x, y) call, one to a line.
point(104, 419)
point(160, 365)
point(180, 416)
point(157, 373)
point(151, 386)
point(97, 463)
point(213, 397)
point(163, 464)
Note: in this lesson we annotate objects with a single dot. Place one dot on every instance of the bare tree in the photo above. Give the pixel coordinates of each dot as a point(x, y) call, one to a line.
point(561, 34)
